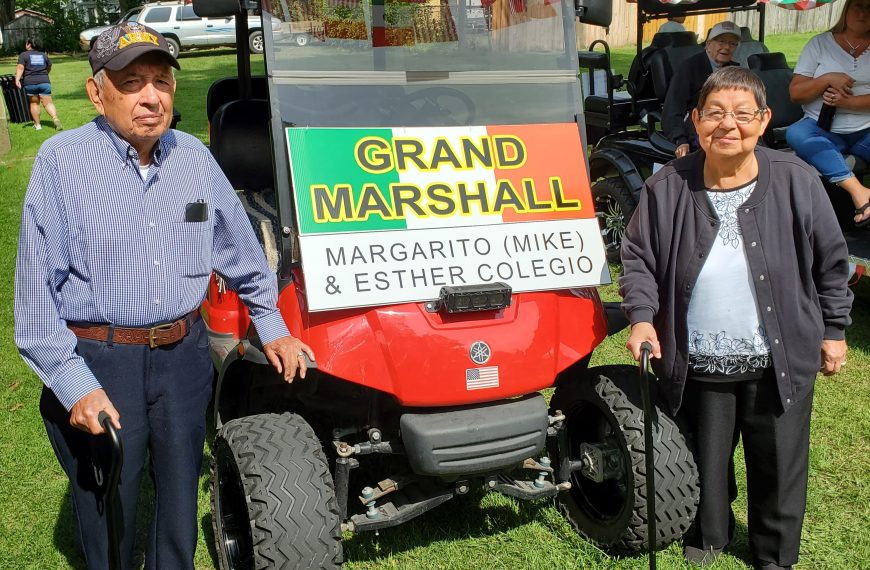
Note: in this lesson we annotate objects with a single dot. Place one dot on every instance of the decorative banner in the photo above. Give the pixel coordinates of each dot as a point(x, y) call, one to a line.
point(392, 215)
point(800, 4)
point(790, 4)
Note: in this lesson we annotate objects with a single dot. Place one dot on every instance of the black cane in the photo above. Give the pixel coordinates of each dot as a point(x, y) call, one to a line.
point(649, 450)
point(113, 529)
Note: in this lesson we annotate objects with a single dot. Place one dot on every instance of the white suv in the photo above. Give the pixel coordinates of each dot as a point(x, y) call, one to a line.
point(183, 29)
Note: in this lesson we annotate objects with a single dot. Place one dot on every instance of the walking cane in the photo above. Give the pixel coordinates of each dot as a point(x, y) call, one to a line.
point(110, 501)
point(649, 450)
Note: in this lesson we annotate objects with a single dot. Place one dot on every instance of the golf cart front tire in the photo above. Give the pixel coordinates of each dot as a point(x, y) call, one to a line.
point(605, 410)
point(614, 206)
point(273, 500)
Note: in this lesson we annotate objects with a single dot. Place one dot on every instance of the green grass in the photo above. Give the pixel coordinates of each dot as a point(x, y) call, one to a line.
point(484, 531)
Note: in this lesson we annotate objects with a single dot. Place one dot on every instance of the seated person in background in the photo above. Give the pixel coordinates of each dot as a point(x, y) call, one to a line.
point(834, 68)
point(674, 24)
point(683, 92)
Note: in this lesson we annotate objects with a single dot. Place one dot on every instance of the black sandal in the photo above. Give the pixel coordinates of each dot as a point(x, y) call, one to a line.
point(860, 211)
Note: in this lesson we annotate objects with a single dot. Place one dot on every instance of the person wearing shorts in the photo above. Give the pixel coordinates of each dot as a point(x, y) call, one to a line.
point(32, 74)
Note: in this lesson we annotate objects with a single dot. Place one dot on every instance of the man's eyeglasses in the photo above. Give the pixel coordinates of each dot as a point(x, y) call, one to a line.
point(741, 116)
point(730, 43)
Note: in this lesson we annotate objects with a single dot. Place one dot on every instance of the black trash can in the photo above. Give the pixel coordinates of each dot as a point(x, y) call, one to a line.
point(16, 100)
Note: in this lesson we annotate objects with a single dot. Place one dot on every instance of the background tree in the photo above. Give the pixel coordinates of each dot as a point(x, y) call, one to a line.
point(7, 11)
point(68, 22)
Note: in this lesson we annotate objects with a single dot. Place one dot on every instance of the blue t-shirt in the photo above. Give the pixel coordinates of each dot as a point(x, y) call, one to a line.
point(36, 67)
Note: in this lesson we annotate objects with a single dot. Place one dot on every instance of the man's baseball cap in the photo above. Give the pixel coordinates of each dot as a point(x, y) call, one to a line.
point(722, 28)
point(118, 46)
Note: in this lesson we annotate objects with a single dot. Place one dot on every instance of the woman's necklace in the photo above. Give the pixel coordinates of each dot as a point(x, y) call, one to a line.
point(852, 49)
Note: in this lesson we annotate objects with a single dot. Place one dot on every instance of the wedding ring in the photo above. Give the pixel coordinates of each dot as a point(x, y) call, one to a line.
point(300, 354)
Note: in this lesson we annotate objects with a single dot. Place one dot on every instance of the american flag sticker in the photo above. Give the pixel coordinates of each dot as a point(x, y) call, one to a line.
point(478, 378)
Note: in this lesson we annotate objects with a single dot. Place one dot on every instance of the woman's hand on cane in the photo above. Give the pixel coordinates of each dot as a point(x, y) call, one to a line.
point(640, 333)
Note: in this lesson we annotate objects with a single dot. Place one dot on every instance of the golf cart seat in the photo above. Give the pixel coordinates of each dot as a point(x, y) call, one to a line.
point(748, 47)
point(773, 70)
point(605, 109)
point(241, 145)
point(641, 82)
point(664, 62)
point(614, 111)
point(226, 89)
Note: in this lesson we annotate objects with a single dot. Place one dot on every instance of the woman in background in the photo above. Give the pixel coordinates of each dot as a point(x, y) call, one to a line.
point(32, 74)
point(834, 69)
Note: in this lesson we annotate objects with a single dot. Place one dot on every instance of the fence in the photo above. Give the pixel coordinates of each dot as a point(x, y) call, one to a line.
point(623, 30)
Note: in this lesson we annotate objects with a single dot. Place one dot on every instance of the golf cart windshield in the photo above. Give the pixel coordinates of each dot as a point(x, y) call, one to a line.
point(349, 63)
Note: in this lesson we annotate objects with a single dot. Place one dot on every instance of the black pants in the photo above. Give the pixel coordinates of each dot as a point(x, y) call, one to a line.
point(162, 396)
point(776, 450)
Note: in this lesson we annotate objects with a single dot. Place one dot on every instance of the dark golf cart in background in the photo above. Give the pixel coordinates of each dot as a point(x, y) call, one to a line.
point(624, 123)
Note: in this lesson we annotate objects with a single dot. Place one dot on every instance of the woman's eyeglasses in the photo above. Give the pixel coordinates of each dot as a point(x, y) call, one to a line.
point(740, 115)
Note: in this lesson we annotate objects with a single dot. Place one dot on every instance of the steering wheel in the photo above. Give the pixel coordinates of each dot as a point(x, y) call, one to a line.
point(437, 106)
point(311, 101)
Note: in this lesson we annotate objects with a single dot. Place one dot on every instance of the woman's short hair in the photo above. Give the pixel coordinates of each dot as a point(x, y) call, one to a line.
point(34, 44)
point(733, 77)
point(840, 26)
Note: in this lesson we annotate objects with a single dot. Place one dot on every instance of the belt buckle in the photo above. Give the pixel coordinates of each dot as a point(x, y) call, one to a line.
point(152, 342)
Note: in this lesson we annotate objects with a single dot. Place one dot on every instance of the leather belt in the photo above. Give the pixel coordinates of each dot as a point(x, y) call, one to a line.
point(159, 335)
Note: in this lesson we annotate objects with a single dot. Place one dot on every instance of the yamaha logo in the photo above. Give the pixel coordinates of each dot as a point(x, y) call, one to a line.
point(479, 352)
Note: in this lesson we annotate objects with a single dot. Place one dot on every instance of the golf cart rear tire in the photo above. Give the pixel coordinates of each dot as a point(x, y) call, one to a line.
point(273, 499)
point(614, 205)
point(606, 407)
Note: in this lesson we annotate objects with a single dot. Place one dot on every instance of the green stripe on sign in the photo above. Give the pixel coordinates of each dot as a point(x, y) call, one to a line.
point(325, 158)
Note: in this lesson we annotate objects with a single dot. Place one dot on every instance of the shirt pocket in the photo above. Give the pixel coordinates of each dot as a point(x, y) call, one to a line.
point(192, 248)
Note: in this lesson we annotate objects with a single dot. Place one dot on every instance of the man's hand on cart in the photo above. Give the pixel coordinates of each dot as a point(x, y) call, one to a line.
point(287, 355)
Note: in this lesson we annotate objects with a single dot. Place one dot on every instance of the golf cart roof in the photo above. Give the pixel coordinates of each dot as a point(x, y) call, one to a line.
point(653, 9)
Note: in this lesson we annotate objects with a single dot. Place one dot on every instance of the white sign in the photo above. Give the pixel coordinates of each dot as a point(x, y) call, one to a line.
point(379, 268)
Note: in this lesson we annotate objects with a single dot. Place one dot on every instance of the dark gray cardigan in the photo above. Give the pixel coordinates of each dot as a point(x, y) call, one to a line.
point(794, 248)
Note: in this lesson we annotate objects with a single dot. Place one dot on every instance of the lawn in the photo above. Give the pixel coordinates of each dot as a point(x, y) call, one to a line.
point(484, 531)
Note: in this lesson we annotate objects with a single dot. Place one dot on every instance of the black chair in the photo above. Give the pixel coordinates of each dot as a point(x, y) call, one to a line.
point(748, 46)
point(773, 71)
point(641, 82)
point(607, 110)
point(664, 62)
point(226, 89)
point(241, 145)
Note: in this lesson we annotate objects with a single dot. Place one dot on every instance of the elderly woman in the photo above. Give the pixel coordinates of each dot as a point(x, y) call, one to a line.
point(735, 273)
point(682, 95)
point(834, 68)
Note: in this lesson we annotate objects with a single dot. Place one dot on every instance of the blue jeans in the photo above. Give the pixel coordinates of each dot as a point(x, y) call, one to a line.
point(38, 89)
point(825, 150)
point(162, 396)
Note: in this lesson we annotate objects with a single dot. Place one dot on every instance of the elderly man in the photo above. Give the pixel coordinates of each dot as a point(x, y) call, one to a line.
point(124, 221)
point(686, 84)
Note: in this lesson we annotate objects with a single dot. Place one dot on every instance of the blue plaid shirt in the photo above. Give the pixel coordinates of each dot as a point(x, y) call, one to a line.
point(99, 244)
